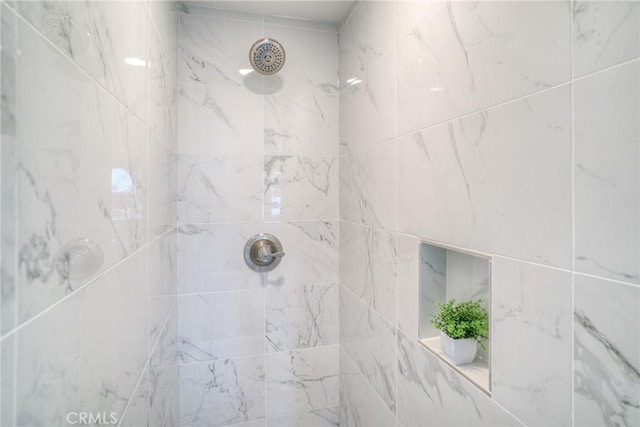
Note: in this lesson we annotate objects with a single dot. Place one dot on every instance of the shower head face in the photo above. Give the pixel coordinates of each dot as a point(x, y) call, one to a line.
point(267, 56)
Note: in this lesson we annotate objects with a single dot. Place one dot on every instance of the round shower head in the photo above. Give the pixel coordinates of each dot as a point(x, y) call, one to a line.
point(267, 56)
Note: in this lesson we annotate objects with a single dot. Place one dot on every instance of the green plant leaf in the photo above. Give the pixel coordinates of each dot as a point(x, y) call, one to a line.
point(468, 319)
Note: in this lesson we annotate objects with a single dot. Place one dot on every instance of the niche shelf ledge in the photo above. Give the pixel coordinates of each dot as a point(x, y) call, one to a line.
point(476, 372)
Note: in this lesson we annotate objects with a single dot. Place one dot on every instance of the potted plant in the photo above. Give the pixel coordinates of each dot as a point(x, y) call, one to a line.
point(463, 326)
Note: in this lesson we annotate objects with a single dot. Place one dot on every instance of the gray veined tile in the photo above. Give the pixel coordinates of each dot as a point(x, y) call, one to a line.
point(212, 51)
point(301, 124)
point(302, 380)
point(100, 37)
point(607, 352)
point(368, 186)
point(311, 64)
point(301, 317)
point(221, 325)
point(109, 315)
point(219, 120)
point(468, 56)
point(325, 417)
point(368, 266)
point(531, 336)
point(457, 181)
point(222, 392)
point(311, 248)
point(367, 36)
point(430, 393)
point(605, 33)
point(82, 155)
point(607, 173)
point(219, 189)
point(300, 188)
point(8, 160)
point(360, 404)
point(163, 402)
point(163, 76)
point(368, 106)
point(368, 339)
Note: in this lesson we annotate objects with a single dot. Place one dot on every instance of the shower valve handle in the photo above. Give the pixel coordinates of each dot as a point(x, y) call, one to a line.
point(265, 253)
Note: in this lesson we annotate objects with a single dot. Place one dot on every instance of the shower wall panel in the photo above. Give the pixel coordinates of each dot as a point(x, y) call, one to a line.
point(257, 154)
point(89, 268)
point(509, 128)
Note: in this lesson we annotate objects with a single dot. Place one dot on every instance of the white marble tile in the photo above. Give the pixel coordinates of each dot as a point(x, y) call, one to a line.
point(369, 341)
point(95, 346)
point(432, 265)
point(302, 380)
point(468, 56)
point(311, 63)
point(325, 417)
point(368, 186)
point(607, 173)
point(219, 120)
point(162, 184)
point(606, 352)
point(222, 392)
point(163, 281)
point(432, 394)
point(368, 267)
point(82, 174)
point(408, 285)
point(163, 74)
point(137, 412)
point(7, 379)
point(221, 325)
point(605, 33)
point(163, 397)
point(220, 189)
point(360, 405)
point(368, 106)
point(301, 124)
point(213, 50)
point(366, 37)
point(103, 38)
point(300, 188)
point(211, 256)
point(301, 317)
point(8, 162)
point(113, 319)
point(477, 182)
point(105, 393)
point(166, 350)
point(410, 13)
point(531, 334)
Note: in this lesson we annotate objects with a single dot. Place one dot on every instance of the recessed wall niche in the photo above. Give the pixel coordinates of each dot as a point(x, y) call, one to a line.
point(450, 273)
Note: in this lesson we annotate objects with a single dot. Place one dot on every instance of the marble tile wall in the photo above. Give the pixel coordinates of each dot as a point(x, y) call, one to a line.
point(257, 154)
point(89, 183)
point(509, 128)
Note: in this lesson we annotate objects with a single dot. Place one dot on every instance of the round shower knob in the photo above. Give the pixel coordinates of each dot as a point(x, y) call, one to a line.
point(263, 252)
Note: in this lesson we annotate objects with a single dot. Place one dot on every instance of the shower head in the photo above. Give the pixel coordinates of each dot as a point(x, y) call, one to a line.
point(267, 56)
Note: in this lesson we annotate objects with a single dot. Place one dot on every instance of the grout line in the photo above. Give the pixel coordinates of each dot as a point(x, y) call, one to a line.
point(94, 80)
point(108, 270)
point(15, 264)
point(397, 210)
point(496, 254)
point(147, 369)
point(573, 211)
point(366, 380)
point(497, 105)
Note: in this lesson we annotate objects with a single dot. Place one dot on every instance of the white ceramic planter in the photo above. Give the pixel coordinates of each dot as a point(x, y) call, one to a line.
point(460, 351)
